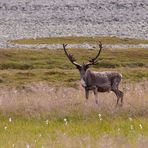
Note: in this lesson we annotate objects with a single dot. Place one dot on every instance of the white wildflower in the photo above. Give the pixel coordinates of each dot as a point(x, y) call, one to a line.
point(99, 115)
point(65, 120)
point(130, 119)
point(47, 122)
point(140, 126)
point(10, 120)
point(5, 127)
point(118, 129)
point(12, 145)
point(132, 127)
point(100, 119)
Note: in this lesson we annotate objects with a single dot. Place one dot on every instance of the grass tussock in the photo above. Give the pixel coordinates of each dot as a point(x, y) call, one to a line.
point(58, 77)
point(19, 67)
point(48, 59)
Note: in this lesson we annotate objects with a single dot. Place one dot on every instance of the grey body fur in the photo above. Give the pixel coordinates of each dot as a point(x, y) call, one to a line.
point(101, 82)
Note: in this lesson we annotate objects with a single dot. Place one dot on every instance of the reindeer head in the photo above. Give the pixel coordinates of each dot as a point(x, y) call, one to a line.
point(82, 67)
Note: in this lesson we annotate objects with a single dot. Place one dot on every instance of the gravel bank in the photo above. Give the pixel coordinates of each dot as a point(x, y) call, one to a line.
point(42, 18)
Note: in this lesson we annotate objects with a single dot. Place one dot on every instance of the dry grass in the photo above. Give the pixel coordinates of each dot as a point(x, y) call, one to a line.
point(84, 129)
point(38, 98)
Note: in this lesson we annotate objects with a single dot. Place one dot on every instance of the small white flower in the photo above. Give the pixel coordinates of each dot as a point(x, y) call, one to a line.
point(99, 115)
point(35, 141)
point(130, 119)
point(65, 120)
point(140, 126)
point(47, 122)
point(132, 127)
point(5, 127)
point(10, 120)
point(100, 119)
point(12, 145)
point(118, 129)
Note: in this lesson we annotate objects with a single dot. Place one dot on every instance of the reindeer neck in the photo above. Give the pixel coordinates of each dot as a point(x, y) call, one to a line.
point(83, 78)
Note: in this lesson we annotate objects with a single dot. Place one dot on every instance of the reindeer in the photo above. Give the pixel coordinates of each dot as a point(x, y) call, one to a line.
point(97, 81)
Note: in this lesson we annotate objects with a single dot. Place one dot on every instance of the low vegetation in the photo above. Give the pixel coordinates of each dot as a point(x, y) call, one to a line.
point(42, 103)
point(24, 66)
point(40, 115)
point(78, 132)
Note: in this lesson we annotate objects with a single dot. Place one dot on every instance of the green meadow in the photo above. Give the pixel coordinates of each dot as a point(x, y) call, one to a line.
point(24, 66)
point(78, 131)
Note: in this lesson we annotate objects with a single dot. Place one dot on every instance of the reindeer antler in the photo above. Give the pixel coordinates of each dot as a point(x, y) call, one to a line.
point(93, 61)
point(70, 56)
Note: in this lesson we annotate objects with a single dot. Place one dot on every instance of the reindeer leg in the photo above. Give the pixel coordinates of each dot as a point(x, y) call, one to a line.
point(96, 95)
point(117, 99)
point(117, 92)
point(86, 95)
point(117, 95)
point(121, 96)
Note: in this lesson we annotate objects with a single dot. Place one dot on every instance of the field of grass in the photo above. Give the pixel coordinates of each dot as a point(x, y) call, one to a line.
point(18, 67)
point(40, 115)
point(42, 102)
point(74, 133)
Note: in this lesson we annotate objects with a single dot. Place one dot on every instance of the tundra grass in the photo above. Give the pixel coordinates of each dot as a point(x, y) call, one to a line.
point(24, 66)
point(58, 77)
point(80, 40)
point(17, 131)
point(48, 59)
